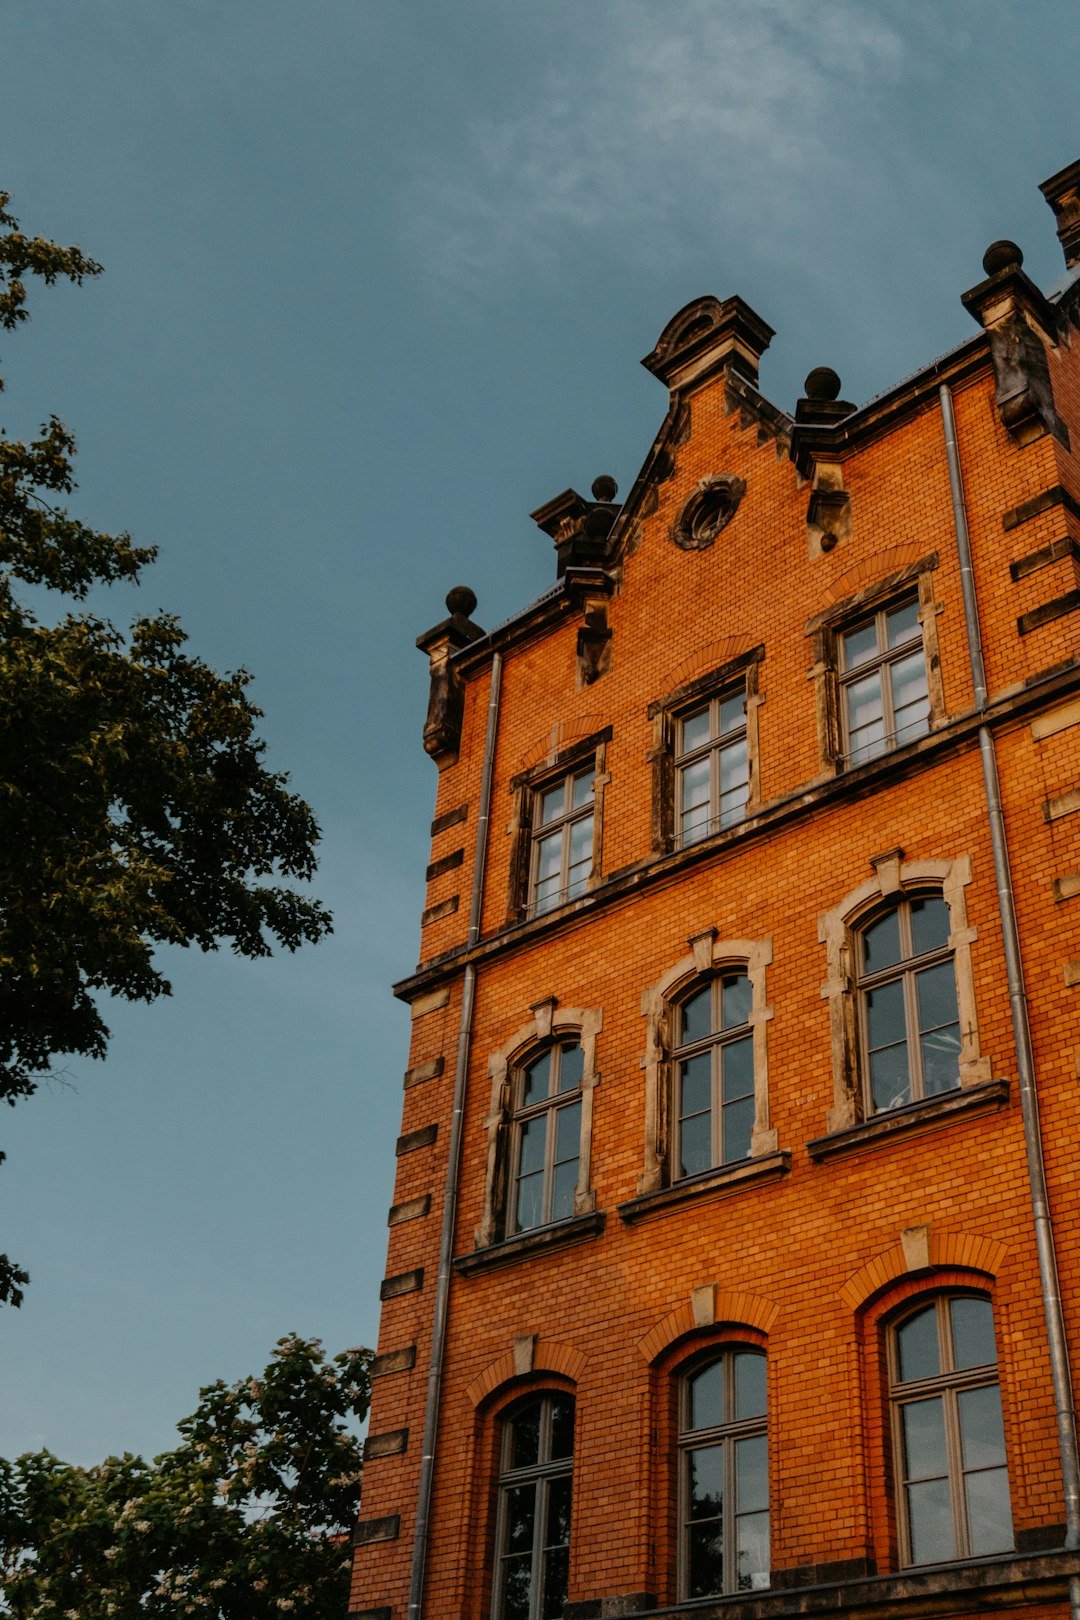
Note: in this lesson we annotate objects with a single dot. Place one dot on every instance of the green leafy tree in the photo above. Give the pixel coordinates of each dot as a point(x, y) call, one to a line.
point(246, 1519)
point(135, 807)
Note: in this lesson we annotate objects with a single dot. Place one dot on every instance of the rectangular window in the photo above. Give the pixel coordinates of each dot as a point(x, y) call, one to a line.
point(885, 700)
point(562, 843)
point(712, 767)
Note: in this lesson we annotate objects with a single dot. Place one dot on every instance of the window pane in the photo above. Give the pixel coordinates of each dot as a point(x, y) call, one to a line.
point(737, 1059)
point(536, 1081)
point(695, 1089)
point(749, 1385)
point(525, 1433)
point(988, 1511)
point(929, 923)
point(695, 731)
point(732, 712)
point(706, 1482)
point(562, 1426)
point(530, 1202)
point(582, 789)
point(734, 781)
point(736, 1000)
point(548, 895)
point(707, 1396)
point(866, 717)
point(563, 1185)
point(567, 1133)
point(558, 1516)
point(696, 779)
point(972, 1333)
point(923, 1426)
point(930, 1522)
point(917, 1343)
point(549, 856)
point(521, 1517)
point(885, 1014)
point(696, 824)
point(982, 1436)
point(859, 644)
point(737, 1123)
point(890, 1079)
point(581, 840)
point(578, 880)
point(697, 1016)
point(752, 1534)
point(695, 1144)
point(881, 942)
point(911, 703)
point(902, 623)
point(936, 994)
point(517, 1587)
point(751, 1474)
point(556, 1582)
point(533, 1144)
point(706, 1560)
point(552, 803)
point(940, 1044)
point(571, 1067)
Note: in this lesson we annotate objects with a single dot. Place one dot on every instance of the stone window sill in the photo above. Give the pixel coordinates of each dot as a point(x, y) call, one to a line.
point(729, 1178)
point(559, 1235)
point(919, 1116)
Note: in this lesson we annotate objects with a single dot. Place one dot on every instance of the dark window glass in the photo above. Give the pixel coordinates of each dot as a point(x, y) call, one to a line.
point(547, 1137)
point(952, 1479)
point(909, 1020)
point(724, 1482)
point(714, 1076)
point(533, 1531)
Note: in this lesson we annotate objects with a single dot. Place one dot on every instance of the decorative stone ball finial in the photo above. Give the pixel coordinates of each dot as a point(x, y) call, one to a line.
point(1002, 255)
point(822, 383)
point(604, 488)
point(461, 600)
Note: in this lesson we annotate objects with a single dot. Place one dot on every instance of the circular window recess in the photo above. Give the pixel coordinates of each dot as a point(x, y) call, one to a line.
point(710, 508)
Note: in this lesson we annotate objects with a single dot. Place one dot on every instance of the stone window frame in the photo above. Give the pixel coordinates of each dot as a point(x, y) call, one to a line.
point(550, 1024)
point(665, 713)
point(895, 879)
point(825, 629)
point(709, 957)
point(524, 789)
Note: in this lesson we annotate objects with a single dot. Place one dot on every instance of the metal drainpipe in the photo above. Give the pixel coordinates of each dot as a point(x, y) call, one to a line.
point(1025, 1059)
point(453, 1160)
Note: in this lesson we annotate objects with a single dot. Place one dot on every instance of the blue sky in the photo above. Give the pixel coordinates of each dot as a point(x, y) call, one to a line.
point(378, 277)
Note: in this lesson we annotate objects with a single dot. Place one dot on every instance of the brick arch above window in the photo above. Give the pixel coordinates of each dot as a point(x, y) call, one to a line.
point(532, 1358)
point(919, 1257)
point(709, 956)
point(719, 1308)
point(547, 1026)
point(560, 736)
point(717, 655)
point(894, 879)
point(882, 563)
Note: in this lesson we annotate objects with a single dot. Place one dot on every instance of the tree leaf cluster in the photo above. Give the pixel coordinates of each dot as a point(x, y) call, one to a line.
point(246, 1519)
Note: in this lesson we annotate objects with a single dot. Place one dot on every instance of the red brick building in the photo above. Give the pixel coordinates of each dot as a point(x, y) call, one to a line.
point(736, 1184)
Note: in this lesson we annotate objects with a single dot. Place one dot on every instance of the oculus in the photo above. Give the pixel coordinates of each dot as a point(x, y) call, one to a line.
point(711, 507)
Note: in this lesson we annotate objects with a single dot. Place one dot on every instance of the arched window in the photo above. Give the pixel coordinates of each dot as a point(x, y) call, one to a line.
point(532, 1557)
point(546, 1151)
point(952, 1485)
point(713, 1075)
point(909, 1025)
point(723, 1476)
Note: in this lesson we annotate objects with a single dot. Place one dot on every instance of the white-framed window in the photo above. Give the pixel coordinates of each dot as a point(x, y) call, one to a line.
point(885, 697)
point(712, 766)
point(546, 1153)
point(713, 1064)
point(723, 1475)
point(909, 1020)
point(562, 839)
point(952, 1481)
point(532, 1534)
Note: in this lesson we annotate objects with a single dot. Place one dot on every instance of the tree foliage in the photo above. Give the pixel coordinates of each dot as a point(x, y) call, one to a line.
point(135, 806)
point(245, 1520)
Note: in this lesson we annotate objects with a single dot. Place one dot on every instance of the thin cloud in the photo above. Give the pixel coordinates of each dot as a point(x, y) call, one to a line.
point(683, 110)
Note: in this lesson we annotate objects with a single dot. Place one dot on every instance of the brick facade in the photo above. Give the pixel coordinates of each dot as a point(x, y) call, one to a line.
point(840, 1216)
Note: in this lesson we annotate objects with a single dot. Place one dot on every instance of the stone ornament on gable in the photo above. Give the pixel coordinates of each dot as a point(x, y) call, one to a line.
point(711, 507)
